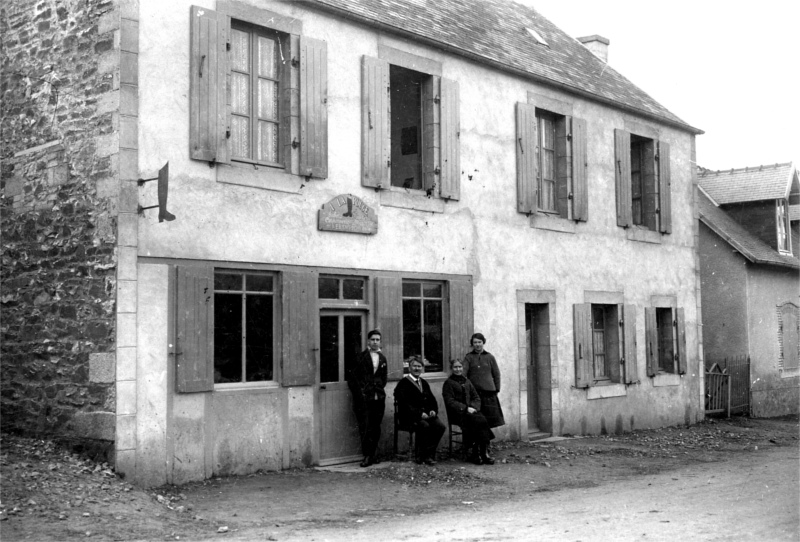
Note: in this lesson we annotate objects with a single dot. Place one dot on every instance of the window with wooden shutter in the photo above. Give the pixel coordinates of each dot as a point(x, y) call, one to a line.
point(299, 300)
point(194, 352)
point(622, 174)
point(680, 330)
point(651, 340)
point(461, 317)
point(642, 182)
point(665, 188)
point(584, 354)
point(389, 320)
point(375, 122)
point(629, 344)
point(526, 144)
point(313, 108)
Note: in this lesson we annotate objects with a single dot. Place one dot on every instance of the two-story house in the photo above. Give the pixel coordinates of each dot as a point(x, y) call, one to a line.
point(751, 278)
point(430, 169)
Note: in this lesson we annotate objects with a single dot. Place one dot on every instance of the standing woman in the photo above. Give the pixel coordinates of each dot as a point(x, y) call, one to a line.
point(481, 369)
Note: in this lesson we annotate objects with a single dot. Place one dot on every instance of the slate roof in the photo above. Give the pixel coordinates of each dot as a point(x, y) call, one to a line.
point(747, 244)
point(494, 32)
point(747, 184)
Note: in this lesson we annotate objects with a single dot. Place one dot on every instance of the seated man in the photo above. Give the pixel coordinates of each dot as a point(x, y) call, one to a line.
point(417, 408)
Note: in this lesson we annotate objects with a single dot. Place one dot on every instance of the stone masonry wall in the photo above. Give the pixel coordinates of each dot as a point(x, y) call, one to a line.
point(58, 202)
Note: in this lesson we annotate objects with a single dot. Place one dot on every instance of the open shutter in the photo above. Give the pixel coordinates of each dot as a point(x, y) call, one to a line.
point(622, 168)
point(664, 188)
point(374, 122)
point(194, 352)
point(649, 185)
point(299, 330)
point(208, 124)
point(580, 186)
point(651, 340)
point(313, 108)
point(450, 168)
point(389, 320)
point(680, 324)
point(431, 133)
point(563, 165)
point(582, 329)
point(526, 145)
point(461, 317)
point(629, 343)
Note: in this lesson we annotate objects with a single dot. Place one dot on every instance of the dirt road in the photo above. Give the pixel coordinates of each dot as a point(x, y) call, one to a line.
point(719, 480)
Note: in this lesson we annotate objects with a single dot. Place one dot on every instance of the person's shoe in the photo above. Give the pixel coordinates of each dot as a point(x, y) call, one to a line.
point(475, 458)
point(488, 460)
point(430, 461)
point(366, 462)
point(374, 460)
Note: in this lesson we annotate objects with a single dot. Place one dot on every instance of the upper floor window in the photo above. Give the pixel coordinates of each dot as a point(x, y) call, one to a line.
point(782, 220)
point(546, 172)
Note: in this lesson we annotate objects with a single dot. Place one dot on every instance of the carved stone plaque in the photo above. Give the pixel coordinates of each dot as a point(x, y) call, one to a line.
point(347, 213)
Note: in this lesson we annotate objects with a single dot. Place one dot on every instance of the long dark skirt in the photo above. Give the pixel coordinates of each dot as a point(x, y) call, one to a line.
point(476, 429)
point(490, 408)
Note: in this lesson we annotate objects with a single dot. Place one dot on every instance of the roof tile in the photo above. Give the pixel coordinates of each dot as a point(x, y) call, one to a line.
point(747, 184)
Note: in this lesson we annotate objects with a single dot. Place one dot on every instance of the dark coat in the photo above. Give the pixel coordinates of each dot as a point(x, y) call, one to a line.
point(411, 402)
point(458, 393)
point(482, 370)
point(364, 382)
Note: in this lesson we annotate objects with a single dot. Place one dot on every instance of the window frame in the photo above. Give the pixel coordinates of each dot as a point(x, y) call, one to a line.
point(783, 226)
point(653, 338)
point(423, 324)
point(619, 341)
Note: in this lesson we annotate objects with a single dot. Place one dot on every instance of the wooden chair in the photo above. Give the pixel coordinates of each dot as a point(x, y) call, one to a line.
point(398, 428)
point(455, 431)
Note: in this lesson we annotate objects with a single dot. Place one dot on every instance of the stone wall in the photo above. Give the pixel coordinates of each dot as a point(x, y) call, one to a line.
point(59, 204)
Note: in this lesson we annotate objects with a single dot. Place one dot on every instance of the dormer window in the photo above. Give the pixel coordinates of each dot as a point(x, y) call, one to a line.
point(782, 221)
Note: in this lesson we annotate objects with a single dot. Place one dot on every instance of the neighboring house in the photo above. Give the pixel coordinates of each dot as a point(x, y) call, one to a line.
point(427, 168)
point(751, 278)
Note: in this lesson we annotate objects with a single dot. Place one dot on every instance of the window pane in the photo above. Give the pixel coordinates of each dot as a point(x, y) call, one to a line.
point(267, 64)
point(329, 348)
point(267, 141)
point(259, 283)
point(227, 281)
point(412, 330)
point(433, 336)
point(267, 99)
point(259, 338)
point(353, 341)
point(411, 289)
point(328, 288)
point(353, 289)
point(666, 351)
point(240, 50)
point(227, 338)
point(240, 93)
point(240, 136)
point(432, 290)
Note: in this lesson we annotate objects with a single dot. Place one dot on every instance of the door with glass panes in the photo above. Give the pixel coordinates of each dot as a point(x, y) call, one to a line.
point(341, 334)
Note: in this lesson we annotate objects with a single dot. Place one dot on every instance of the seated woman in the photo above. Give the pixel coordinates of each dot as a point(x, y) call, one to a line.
point(463, 406)
point(417, 408)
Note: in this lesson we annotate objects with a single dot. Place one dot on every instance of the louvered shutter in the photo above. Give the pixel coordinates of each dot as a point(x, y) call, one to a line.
point(299, 330)
point(582, 329)
point(461, 317)
point(194, 352)
point(208, 124)
point(665, 189)
point(580, 187)
point(622, 168)
point(389, 320)
point(374, 122)
point(526, 146)
point(629, 343)
point(450, 168)
point(651, 340)
point(313, 108)
point(680, 324)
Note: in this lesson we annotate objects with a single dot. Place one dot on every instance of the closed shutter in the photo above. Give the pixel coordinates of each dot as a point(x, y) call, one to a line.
point(665, 190)
point(526, 145)
point(313, 108)
point(622, 168)
point(389, 320)
point(582, 329)
point(461, 317)
point(208, 124)
point(374, 122)
point(680, 324)
point(299, 330)
point(580, 164)
point(450, 168)
point(629, 343)
point(651, 340)
point(194, 353)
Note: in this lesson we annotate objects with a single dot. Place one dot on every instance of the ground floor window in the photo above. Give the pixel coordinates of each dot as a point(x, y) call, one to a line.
point(605, 344)
point(423, 334)
point(665, 345)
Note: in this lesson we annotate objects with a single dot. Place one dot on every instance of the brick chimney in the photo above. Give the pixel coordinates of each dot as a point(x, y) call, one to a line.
point(598, 45)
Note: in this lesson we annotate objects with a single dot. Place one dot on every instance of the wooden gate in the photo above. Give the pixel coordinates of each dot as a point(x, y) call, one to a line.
point(728, 385)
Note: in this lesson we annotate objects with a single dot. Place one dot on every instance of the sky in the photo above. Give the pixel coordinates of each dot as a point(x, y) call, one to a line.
point(728, 68)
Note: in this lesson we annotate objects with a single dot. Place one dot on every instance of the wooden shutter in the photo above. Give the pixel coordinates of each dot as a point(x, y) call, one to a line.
point(680, 325)
point(450, 168)
point(584, 353)
point(622, 168)
point(461, 317)
point(629, 343)
point(299, 330)
point(389, 320)
point(374, 122)
point(208, 124)
point(563, 165)
point(194, 352)
point(431, 133)
point(664, 188)
point(313, 108)
point(580, 164)
point(649, 186)
point(651, 340)
point(527, 149)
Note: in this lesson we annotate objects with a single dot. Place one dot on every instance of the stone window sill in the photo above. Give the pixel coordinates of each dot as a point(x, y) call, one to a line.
point(607, 390)
point(664, 380)
point(636, 233)
point(263, 178)
point(415, 200)
point(552, 223)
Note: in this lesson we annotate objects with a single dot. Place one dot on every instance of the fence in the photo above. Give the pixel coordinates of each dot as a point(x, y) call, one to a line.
point(728, 384)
